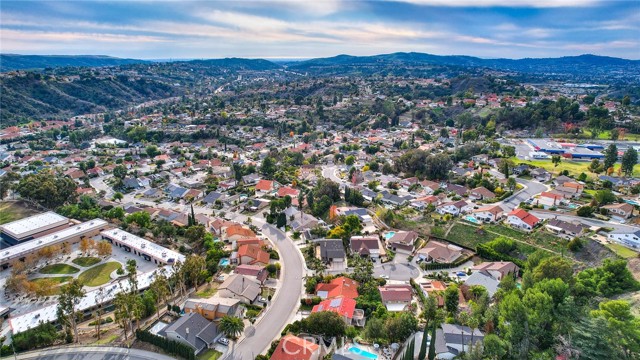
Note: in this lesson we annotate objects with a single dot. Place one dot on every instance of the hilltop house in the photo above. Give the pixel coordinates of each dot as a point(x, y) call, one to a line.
point(521, 219)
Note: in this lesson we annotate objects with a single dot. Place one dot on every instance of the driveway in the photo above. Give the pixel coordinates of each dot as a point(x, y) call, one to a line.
point(399, 269)
point(531, 188)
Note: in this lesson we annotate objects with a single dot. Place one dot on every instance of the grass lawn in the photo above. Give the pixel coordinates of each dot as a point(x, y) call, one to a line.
point(574, 167)
point(59, 269)
point(106, 340)
point(210, 355)
point(207, 291)
point(267, 291)
point(622, 251)
point(57, 279)
point(98, 275)
point(466, 235)
point(86, 261)
point(12, 211)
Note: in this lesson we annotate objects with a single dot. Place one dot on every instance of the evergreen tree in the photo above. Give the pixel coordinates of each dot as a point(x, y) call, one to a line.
point(610, 156)
point(432, 344)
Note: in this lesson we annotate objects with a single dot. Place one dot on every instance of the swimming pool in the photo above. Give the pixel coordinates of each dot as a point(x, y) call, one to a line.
point(389, 235)
point(157, 327)
point(470, 218)
point(224, 262)
point(363, 353)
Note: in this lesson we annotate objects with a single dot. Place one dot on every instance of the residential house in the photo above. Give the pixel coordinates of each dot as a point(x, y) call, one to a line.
point(365, 246)
point(213, 308)
point(236, 231)
point(521, 219)
point(458, 339)
point(240, 287)
point(292, 347)
point(489, 213)
point(345, 307)
point(498, 269)
point(430, 186)
point(341, 286)
point(438, 252)
point(252, 254)
point(540, 174)
point(562, 227)
point(550, 199)
point(264, 187)
point(251, 179)
point(287, 190)
point(212, 197)
point(403, 241)
point(434, 288)
point(623, 210)
point(484, 279)
point(396, 297)
point(331, 251)
point(481, 193)
point(193, 330)
point(630, 238)
point(560, 180)
point(457, 189)
point(255, 272)
point(454, 208)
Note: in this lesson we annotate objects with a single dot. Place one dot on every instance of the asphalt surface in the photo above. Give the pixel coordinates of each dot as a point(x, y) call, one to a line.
point(282, 307)
point(586, 221)
point(91, 353)
point(531, 188)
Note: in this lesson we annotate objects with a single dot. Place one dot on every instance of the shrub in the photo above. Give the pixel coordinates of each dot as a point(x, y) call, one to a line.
point(170, 346)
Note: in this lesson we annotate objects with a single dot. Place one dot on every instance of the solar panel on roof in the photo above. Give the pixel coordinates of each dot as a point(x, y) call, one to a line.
point(335, 303)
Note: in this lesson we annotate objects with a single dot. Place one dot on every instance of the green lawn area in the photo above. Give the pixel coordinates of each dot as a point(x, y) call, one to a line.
point(86, 261)
point(59, 269)
point(574, 167)
point(538, 237)
point(57, 279)
point(106, 340)
point(98, 275)
point(207, 291)
point(210, 355)
point(467, 235)
point(622, 251)
point(12, 211)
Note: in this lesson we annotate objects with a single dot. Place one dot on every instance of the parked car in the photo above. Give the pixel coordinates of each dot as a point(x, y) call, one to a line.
point(223, 341)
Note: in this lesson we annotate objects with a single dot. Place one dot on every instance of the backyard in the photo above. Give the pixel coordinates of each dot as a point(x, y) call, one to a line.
point(98, 275)
point(210, 354)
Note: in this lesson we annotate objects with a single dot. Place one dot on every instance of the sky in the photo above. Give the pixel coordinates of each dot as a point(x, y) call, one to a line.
point(168, 29)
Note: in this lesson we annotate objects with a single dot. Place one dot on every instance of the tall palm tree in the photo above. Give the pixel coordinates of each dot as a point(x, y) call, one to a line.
point(231, 327)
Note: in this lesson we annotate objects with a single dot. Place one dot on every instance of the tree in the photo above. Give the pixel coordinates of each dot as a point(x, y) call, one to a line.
point(350, 160)
point(69, 298)
point(629, 161)
point(494, 347)
point(118, 196)
point(604, 197)
point(556, 160)
point(268, 167)
point(103, 248)
point(610, 156)
point(231, 326)
point(327, 324)
point(160, 287)
point(451, 298)
point(554, 267)
point(47, 189)
point(195, 234)
point(152, 151)
point(401, 326)
point(195, 269)
point(140, 218)
point(432, 344)
point(511, 184)
point(86, 246)
point(120, 172)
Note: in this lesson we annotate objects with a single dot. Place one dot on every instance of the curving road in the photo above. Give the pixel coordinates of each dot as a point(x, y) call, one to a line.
point(91, 353)
point(285, 303)
point(531, 188)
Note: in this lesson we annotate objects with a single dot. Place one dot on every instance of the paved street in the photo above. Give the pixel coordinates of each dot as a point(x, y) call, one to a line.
point(283, 306)
point(586, 221)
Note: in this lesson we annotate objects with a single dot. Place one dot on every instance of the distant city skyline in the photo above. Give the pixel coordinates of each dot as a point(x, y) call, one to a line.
point(298, 30)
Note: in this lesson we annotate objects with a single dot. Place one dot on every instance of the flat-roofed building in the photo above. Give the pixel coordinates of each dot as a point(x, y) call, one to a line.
point(70, 235)
point(142, 247)
point(30, 227)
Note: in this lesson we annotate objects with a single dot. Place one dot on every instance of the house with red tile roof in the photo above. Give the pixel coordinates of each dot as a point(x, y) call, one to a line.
point(286, 190)
point(344, 307)
point(521, 219)
point(252, 255)
point(236, 231)
point(341, 286)
point(292, 347)
point(265, 187)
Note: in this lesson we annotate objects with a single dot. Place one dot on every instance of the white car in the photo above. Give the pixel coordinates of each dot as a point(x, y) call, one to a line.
point(384, 276)
point(223, 341)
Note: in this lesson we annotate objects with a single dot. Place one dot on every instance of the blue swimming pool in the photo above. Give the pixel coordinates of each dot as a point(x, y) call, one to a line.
point(224, 262)
point(389, 235)
point(470, 218)
point(363, 353)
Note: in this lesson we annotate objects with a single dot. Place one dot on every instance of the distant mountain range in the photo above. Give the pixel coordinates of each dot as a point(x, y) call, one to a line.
point(10, 62)
point(567, 64)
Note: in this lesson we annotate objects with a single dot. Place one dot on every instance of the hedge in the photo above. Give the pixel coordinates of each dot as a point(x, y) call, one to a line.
point(489, 253)
point(440, 266)
point(170, 346)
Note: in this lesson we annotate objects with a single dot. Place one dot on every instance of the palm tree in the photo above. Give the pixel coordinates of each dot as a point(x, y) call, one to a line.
point(231, 327)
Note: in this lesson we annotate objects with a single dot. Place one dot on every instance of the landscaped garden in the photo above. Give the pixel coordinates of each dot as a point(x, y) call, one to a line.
point(56, 279)
point(59, 269)
point(86, 261)
point(99, 275)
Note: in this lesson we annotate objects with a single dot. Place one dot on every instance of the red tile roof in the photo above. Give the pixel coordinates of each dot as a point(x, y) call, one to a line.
point(529, 219)
point(292, 347)
point(264, 185)
point(341, 286)
point(341, 305)
point(254, 252)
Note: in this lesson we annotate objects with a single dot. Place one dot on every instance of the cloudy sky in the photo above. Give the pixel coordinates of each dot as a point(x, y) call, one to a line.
point(317, 28)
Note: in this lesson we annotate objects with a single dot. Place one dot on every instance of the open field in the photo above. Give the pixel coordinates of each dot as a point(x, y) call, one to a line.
point(575, 168)
point(14, 210)
point(98, 275)
point(59, 269)
point(210, 355)
point(86, 261)
point(623, 251)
